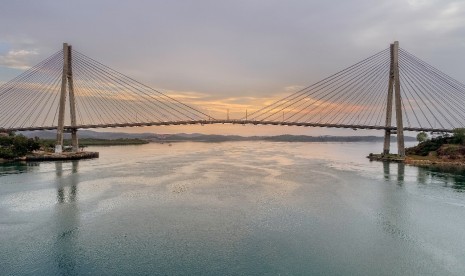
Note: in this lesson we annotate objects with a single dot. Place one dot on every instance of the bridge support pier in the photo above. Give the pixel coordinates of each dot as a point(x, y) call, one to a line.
point(394, 90)
point(67, 82)
point(387, 141)
point(74, 140)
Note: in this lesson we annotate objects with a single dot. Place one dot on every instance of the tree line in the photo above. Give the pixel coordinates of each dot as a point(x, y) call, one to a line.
point(14, 146)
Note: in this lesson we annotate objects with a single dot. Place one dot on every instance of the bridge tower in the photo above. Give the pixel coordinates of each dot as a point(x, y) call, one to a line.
point(67, 87)
point(394, 90)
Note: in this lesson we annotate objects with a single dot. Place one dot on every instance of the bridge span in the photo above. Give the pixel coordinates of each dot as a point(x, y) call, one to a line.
point(392, 91)
point(233, 122)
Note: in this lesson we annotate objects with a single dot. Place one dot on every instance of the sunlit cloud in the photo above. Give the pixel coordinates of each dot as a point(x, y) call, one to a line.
point(293, 88)
point(237, 107)
point(18, 59)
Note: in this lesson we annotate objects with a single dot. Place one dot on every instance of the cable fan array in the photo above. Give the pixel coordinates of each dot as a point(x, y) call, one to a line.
point(357, 96)
point(103, 97)
point(353, 97)
point(106, 96)
point(430, 98)
point(31, 99)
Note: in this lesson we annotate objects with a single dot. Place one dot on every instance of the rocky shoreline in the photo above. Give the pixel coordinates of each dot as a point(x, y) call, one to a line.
point(436, 162)
point(47, 156)
point(386, 158)
point(417, 161)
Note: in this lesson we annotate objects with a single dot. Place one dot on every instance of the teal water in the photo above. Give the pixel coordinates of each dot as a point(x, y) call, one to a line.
point(239, 208)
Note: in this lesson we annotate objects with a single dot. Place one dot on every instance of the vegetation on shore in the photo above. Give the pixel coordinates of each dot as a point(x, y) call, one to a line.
point(14, 146)
point(441, 148)
point(444, 150)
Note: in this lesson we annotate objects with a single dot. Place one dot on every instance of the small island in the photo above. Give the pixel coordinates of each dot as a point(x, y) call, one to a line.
point(444, 150)
point(20, 148)
point(15, 147)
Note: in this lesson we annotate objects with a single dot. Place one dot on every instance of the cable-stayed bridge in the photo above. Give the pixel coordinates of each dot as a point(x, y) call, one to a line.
point(392, 90)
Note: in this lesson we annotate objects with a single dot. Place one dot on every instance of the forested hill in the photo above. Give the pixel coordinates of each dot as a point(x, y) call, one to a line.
point(211, 138)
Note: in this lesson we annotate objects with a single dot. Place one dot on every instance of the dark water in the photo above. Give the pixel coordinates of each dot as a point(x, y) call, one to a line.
point(243, 208)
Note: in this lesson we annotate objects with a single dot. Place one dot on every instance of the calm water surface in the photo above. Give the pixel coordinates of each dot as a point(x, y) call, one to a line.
point(239, 208)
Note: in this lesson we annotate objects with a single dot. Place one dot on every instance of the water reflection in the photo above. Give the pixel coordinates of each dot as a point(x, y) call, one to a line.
point(17, 167)
point(422, 176)
point(451, 177)
point(400, 172)
point(68, 183)
point(67, 218)
point(387, 171)
point(392, 215)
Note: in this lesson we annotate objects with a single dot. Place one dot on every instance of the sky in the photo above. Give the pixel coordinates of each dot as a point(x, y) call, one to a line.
point(232, 55)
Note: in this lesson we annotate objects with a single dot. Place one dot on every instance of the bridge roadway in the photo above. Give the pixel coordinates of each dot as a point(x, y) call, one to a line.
point(236, 122)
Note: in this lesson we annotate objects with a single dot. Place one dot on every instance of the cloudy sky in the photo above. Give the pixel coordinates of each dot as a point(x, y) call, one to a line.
point(231, 54)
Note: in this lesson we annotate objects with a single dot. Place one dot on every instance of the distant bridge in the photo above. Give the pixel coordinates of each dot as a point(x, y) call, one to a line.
point(361, 96)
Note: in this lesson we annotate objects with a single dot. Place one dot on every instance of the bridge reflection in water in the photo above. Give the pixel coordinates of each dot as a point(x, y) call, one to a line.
point(67, 217)
point(453, 177)
point(400, 171)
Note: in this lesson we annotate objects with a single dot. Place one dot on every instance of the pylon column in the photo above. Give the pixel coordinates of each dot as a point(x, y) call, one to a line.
point(394, 90)
point(398, 99)
point(66, 81)
point(62, 107)
point(387, 132)
point(72, 103)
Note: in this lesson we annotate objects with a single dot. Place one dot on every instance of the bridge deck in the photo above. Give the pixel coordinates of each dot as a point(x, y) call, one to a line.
point(238, 122)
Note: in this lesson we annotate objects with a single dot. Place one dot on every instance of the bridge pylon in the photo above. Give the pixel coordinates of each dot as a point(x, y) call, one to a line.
point(67, 87)
point(394, 90)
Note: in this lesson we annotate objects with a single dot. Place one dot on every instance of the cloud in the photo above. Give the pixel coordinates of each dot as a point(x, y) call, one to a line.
point(18, 59)
point(419, 3)
point(449, 18)
point(234, 55)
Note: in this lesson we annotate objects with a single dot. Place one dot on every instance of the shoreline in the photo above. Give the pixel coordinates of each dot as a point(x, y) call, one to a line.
point(43, 157)
point(435, 162)
point(416, 160)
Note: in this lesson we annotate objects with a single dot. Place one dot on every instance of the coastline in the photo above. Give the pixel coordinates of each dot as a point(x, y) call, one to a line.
point(418, 161)
point(45, 156)
point(415, 160)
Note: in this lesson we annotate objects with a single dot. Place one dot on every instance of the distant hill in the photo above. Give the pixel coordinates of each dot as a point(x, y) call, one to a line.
point(50, 134)
point(47, 134)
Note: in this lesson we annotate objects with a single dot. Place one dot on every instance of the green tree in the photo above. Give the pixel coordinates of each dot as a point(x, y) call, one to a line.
point(17, 146)
point(459, 135)
point(422, 136)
